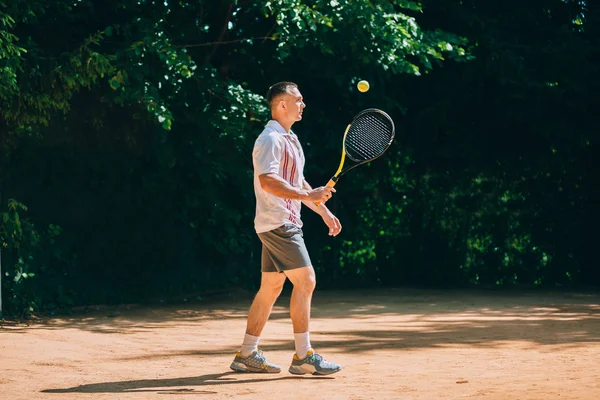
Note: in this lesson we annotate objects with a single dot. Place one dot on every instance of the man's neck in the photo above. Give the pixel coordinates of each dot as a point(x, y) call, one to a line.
point(287, 125)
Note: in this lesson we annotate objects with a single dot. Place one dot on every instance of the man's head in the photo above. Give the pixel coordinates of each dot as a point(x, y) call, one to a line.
point(286, 103)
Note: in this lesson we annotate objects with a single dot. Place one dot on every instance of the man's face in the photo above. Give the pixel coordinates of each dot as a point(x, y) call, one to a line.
point(294, 105)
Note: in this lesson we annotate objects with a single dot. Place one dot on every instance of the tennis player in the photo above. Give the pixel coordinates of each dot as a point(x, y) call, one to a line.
point(280, 189)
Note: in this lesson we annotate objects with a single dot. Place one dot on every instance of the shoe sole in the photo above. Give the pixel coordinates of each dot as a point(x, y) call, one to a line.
point(239, 367)
point(297, 370)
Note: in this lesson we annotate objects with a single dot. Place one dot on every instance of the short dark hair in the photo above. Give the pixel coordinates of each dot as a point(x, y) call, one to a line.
point(278, 89)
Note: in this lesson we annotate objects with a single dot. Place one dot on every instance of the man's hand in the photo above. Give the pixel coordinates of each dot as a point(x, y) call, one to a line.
point(324, 193)
point(333, 223)
point(320, 194)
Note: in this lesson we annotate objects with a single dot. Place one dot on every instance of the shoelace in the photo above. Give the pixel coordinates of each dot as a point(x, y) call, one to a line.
point(259, 355)
point(319, 358)
point(322, 362)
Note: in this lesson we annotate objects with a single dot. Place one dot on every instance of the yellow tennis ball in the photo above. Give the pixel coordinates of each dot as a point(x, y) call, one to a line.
point(363, 86)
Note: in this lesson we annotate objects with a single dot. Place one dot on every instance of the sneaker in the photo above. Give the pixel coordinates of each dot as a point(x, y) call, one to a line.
point(314, 364)
point(255, 362)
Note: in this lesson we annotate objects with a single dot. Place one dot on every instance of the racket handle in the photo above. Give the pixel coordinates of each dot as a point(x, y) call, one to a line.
point(331, 183)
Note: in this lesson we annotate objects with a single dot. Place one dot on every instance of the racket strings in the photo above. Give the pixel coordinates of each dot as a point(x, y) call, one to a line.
point(369, 136)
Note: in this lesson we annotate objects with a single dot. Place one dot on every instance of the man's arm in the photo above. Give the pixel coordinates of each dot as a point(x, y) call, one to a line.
point(332, 222)
point(277, 186)
point(321, 210)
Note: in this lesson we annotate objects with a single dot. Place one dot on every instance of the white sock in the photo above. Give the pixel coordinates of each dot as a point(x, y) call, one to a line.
point(302, 341)
point(250, 345)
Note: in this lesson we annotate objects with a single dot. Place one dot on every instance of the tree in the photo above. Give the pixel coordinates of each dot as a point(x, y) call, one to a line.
point(136, 101)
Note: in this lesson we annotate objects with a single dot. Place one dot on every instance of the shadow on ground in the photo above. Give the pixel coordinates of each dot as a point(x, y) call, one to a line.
point(163, 385)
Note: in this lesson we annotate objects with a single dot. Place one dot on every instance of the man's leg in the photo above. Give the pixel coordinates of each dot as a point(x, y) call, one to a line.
point(270, 288)
point(305, 360)
point(304, 282)
point(304, 285)
point(249, 359)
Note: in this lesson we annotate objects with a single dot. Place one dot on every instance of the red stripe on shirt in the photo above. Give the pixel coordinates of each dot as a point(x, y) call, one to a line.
point(290, 158)
point(285, 162)
point(293, 218)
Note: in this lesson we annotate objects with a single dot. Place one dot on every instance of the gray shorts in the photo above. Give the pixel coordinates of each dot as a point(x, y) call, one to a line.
point(283, 249)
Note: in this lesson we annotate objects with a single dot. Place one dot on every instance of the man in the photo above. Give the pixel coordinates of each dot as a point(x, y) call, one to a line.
point(280, 189)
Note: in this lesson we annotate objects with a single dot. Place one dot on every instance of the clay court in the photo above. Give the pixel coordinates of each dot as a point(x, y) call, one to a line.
point(393, 344)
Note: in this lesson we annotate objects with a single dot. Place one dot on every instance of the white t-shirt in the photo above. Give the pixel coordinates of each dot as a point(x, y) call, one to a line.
point(277, 152)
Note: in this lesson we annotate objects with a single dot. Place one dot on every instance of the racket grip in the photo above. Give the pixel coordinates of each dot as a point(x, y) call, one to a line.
point(331, 183)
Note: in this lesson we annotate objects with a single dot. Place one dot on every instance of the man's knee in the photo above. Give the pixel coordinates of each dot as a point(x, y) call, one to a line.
point(272, 285)
point(304, 279)
point(310, 283)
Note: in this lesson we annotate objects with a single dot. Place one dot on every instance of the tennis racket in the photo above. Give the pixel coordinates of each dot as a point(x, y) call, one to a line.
point(367, 137)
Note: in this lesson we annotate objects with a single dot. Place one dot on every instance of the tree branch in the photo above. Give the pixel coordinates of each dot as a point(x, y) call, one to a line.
point(240, 40)
point(221, 35)
point(269, 33)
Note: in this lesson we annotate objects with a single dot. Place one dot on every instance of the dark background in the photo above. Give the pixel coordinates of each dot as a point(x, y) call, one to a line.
point(127, 129)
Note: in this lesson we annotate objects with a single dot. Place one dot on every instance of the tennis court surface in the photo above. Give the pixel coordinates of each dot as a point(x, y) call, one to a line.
point(393, 344)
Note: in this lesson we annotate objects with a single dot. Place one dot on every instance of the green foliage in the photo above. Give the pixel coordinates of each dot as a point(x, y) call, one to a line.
point(48, 83)
point(26, 254)
point(9, 58)
point(131, 125)
point(486, 197)
point(151, 70)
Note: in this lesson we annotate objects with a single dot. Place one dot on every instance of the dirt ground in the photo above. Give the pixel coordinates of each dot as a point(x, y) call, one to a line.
point(393, 344)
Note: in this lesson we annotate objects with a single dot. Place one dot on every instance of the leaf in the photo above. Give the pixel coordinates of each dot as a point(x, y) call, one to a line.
point(114, 83)
point(166, 124)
